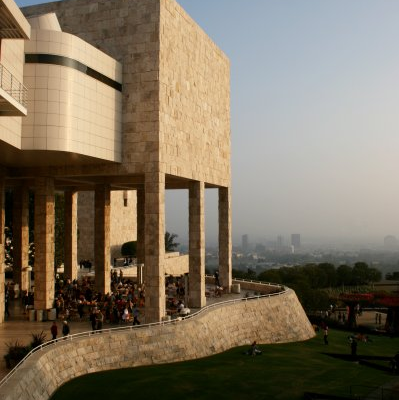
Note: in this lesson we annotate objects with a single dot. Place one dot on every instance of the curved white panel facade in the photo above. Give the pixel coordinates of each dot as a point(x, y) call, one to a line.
point(75, 100)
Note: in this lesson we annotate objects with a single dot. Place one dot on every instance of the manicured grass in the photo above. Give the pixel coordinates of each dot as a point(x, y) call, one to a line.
point(283, 371)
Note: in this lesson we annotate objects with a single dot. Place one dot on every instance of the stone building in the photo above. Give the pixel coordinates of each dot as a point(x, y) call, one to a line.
point(124, 96)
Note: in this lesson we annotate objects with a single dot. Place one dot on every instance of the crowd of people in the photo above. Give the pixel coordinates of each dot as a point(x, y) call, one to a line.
point(78, 299)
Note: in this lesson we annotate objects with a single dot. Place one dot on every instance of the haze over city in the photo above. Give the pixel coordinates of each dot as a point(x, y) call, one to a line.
point(314, 100)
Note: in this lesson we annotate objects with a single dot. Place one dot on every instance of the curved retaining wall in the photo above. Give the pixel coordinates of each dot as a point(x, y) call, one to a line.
point(274, 319)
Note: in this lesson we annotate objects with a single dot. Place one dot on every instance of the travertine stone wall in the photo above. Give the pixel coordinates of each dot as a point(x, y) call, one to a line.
point(197, 244)
point(123, 220)
point(20, 216)
point(225, 243)
point(154, 257)
point(102, 204)
point(86, 226)
point(257, 287)
point(140, 225)
point(44, 243)
point(128, 31)
point(276, 319)
point(123, 223)
point(194, 86)
point(71, 234)
point(176, 264)
point(176, 83)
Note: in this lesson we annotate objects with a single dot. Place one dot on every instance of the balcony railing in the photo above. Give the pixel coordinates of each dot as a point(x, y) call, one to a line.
point(13, 87)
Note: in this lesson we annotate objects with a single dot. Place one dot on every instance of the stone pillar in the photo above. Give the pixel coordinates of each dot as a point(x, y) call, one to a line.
point(140, 225)
point(20, 229)
point(154, 265)
point(196, 245)
point(225, 268)
point(2, 240)
point(71, 235)
point(44, 243)
point(102, 217)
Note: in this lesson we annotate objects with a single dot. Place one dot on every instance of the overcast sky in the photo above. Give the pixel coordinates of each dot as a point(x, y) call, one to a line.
point(314, 118)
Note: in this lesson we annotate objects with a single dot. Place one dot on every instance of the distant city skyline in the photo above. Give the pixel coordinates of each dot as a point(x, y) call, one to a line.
point(314, 104)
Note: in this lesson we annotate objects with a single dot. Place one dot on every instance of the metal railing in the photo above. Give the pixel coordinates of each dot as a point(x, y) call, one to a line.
point(13, 86)
point(131, 327)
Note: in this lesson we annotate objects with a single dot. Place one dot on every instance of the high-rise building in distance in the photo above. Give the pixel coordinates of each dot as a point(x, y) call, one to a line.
point(245, 244)
point(296, 240)
point(280, 242)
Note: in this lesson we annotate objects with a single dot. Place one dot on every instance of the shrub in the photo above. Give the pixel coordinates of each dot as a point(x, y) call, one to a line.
point(128, 249)
point(16, 352)
point(37, 339)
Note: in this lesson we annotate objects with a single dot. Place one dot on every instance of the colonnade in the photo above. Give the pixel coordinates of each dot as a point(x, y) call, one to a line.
point(150, 240)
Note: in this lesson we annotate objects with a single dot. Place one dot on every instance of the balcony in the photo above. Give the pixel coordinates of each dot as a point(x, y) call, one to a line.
point(13, 95)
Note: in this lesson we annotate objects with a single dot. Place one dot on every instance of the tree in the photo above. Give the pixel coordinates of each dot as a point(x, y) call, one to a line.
point(170, 244)
point(344, 275)
point(360, 273)
point(129, 249)
point(331, 273)
point(271, 275)
point(374, 275)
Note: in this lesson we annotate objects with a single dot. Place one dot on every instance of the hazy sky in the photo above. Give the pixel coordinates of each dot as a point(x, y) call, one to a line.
point(314, 117)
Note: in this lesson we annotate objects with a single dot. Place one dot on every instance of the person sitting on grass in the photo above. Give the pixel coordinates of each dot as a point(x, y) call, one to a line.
point(253, 350)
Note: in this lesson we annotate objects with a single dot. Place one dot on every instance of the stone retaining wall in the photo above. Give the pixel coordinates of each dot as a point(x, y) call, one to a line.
point(176, 264)
point(274, 319)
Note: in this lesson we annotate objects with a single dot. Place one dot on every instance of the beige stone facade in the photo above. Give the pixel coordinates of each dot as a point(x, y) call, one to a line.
point(176, 264)
point(275, 319)
point(123, 223)
point(125, 97)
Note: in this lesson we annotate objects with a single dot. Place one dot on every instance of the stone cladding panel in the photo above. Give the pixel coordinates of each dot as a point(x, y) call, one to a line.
point(275, 319)
point(176, 112)
point(194, 100)
point(123, 223)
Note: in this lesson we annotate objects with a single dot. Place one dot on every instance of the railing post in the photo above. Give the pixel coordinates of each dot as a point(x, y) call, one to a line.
point(7, 82)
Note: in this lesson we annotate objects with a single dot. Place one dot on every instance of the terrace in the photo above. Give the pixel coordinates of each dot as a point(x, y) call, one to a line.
point(217, 327)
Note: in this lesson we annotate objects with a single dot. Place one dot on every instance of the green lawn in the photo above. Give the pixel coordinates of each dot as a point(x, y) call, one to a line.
point(283, 371)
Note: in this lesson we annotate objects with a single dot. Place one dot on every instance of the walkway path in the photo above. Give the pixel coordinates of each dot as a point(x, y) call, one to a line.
point(18, 328)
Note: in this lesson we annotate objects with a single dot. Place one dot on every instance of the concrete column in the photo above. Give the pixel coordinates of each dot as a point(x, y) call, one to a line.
point(86, 225)
point(140, 226)
point(44, 243)
point(20, 228)
point(225, 267)
point(154, 269)
point(2, 240)
point(71, 235)
point(102, 220)
point(196, 245)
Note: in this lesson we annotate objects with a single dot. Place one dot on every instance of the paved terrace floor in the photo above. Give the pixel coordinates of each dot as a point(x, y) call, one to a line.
point(18, 327)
